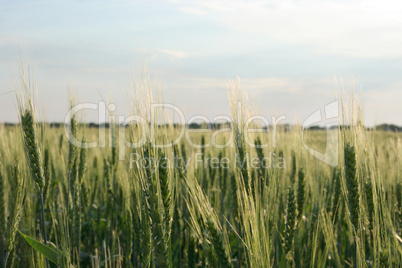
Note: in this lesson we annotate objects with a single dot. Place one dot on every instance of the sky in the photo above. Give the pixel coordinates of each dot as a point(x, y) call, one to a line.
point(288, 55)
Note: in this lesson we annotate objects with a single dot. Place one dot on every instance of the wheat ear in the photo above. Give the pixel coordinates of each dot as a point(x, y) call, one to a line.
point(352, 184)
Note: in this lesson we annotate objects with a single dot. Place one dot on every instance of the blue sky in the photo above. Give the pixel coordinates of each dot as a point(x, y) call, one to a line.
point(286, 53)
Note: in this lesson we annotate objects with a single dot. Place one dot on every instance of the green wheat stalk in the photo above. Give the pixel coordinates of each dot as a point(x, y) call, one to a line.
point(260, 155)
point(32, 148)
point(155, 215)
point(218, 245)
point(46, 173)
point(77, 201)
point(337, 194)
point(300, 193)
point(164, 185)
point(353, 191)
point(34, 160)
point(72, 157)
point(352, 184)
point(290, 224)
point(15, 214)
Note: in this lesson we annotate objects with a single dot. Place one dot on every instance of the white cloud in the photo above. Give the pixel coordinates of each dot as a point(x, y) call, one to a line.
point(354, 28)
point(154, 54)
point(255, 85)
point(193, 10)
point(173, 53)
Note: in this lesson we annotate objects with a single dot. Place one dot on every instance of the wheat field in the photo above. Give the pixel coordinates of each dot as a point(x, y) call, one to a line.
point(189, 205)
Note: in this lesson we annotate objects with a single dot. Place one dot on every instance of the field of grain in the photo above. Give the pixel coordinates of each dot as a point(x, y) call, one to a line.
point(196, 206)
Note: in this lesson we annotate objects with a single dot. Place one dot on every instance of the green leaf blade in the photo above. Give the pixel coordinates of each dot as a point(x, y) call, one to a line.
point(49, 253)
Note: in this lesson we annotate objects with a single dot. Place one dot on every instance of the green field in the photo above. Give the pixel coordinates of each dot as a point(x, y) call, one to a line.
point(185, 206)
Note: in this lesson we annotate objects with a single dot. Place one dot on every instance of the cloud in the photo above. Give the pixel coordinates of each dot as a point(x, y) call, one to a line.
point(255, 85)
point(356, 28)
point(155, 54)
point(106, 70)
point(173, 53)
point(9, 41)
point(193, 10)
